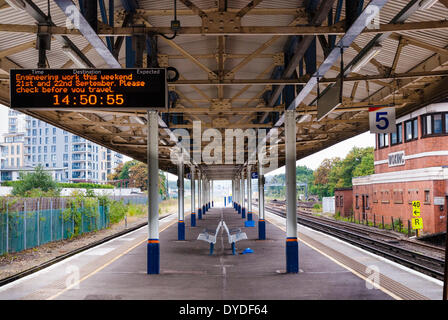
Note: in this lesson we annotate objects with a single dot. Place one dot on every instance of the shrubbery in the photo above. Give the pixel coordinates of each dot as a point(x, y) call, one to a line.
point(80, 185)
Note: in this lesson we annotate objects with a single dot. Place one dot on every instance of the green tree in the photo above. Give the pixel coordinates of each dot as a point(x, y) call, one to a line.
point(352, 161)
point(39, 181)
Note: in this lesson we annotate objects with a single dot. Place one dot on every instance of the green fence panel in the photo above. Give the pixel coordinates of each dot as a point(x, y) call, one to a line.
point(4, 234)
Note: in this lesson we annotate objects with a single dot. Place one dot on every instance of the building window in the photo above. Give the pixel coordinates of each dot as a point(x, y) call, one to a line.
point(397, 136)
point(446, 122)
point(66, 139)
point(411, 129)
point(337, 201)
point(427, 198)
point(54, 130)
point(398, 196)
point(357, 202)
point(383, 140)
point(434, 124)
point(341, 199)
point(18, 149)
point(18, 162)
point(367, 202)
point(375, 199)
point(385, 196)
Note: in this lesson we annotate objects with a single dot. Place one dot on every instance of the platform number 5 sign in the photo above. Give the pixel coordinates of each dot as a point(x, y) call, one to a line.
point(382, 120)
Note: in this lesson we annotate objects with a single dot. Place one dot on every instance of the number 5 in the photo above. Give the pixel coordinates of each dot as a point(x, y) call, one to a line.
point(380, 118)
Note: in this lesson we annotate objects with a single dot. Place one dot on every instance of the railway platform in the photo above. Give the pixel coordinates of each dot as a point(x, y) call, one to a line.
point(328, 268)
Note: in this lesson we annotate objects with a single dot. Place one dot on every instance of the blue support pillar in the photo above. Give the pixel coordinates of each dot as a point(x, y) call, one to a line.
point(261, 229)
point(193, 219)
point(292, 255)
point(181, 230)
point(153, 256)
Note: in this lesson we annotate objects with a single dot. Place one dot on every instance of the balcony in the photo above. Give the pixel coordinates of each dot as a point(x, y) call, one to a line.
point(78, 175)
point(76, 139)
point(78, 166)
point(78, 157)
point(78, 149)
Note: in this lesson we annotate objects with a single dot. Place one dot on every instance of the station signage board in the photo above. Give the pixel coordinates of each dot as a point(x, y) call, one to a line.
point(254, 175)
point(53, 89)
point(416, 221)
point(382, 119)
point(396, 159)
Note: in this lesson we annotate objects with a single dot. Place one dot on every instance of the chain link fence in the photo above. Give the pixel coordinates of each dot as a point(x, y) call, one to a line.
point(30, 222)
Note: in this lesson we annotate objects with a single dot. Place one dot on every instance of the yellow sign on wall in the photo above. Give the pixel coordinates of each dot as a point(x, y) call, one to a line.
point(417, 223)
point(416, 208)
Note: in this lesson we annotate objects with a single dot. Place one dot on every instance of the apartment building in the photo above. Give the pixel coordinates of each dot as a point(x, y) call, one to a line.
point(70, 158)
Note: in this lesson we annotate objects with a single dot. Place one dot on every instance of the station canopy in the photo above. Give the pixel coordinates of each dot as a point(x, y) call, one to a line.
point(240, 65)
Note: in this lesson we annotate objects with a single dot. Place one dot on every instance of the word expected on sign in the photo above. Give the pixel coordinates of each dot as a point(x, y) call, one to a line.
point(88, 88)
point(382, 120)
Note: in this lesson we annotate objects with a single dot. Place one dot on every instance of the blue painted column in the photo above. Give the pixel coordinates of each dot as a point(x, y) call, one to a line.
point(261, 221)
point(249, 194)
point(153, 246)
point(199, 196)
point(180, 199)
point(243, 196)
point(193, 197)
point(292, 247)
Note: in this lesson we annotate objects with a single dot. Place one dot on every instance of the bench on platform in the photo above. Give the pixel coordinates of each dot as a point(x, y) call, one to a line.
point(234, 235)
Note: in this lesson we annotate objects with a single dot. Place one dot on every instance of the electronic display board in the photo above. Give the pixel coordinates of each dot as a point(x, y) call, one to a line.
point(53, 89)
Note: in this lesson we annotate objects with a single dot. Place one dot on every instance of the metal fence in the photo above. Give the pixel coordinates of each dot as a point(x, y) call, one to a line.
point(30, 222)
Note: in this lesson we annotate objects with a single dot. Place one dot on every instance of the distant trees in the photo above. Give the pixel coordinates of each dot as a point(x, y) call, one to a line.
point(332, 173)
point(137, 172)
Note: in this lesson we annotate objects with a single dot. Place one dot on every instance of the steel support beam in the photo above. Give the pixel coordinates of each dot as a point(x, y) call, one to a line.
point(34, 11)
point(153, 247)
point(199, 194)
point(292, 248)
point(180, 199)
point(306, 41)
point(261, 219)
point(72, 12)
point(249, 194)
point(193, 196)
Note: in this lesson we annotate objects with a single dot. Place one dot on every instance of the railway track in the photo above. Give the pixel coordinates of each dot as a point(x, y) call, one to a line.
point(380, 243)
point(383, 234)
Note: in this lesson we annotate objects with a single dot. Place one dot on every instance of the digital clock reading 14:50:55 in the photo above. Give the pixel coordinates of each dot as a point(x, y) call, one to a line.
point(88, 99)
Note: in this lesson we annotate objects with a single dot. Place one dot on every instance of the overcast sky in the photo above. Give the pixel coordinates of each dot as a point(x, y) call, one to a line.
point(340, 149)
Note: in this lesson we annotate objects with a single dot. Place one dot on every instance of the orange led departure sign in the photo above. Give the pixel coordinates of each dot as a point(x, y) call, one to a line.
point(88, 88)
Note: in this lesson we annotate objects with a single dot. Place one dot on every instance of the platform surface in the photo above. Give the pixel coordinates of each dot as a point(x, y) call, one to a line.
point(117, 269)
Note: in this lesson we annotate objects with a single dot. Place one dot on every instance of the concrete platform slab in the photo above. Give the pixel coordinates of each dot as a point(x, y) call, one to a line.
point(188, 272)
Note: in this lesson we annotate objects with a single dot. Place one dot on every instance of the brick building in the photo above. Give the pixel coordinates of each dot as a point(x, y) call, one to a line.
point(410, 164)
point(343, 198)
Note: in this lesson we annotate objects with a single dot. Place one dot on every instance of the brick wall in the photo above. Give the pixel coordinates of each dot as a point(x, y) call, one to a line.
point(394, 200)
